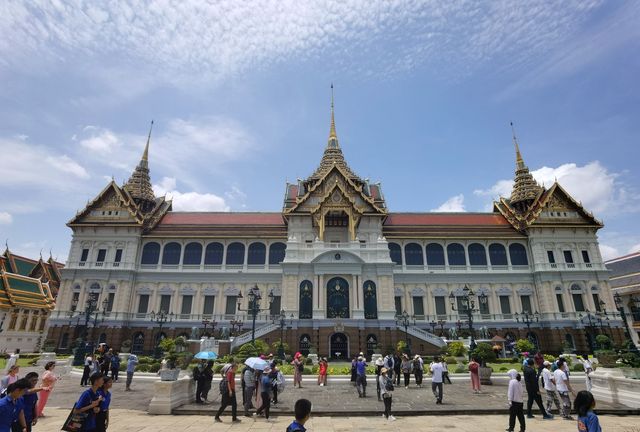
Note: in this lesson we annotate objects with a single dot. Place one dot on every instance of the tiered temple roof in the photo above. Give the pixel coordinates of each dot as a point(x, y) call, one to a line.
point(27, 283)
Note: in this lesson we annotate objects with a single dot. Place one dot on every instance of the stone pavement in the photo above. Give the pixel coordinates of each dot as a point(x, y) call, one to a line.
point(137, 421)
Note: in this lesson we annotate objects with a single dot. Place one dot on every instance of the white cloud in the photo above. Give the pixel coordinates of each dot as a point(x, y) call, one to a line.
point(5, 218)
point(101, 141)
point(453, 204)
point(608, 252)
point(634, 248)
point(189, 201)
point(182, 40)
point(593, 184)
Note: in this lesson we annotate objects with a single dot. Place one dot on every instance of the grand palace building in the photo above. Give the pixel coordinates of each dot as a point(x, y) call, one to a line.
point(340, 264)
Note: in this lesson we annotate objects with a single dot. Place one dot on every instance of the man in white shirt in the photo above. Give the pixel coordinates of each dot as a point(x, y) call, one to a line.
point(548, 382)
point(588, 370)
point(564, 388)
point(13, 360)
point(436, 380)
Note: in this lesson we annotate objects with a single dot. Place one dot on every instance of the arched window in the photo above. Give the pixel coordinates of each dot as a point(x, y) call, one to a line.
point(138, 343)
point(455, 254)
point(413, 254)
point(305, 344)
point(497, 254)
point(372, 344)
point(370, 300)
point(306, 300)
point(477, 255)
point(257, 253)
point(151, 253)
point(171, 253)
point(213, 254)
point(435, 254)
point(276, 253)
point(102, 338)
point(192, 254)
point(518, 254)
point(569, 342)
point(396, 253)
point(235, 253)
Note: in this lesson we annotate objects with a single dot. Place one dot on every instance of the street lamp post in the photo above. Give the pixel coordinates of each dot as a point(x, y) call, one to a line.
point(617, 298)
point(529, 318)
point(468, 306)
point(90, 306)
point(282, 322)
point(205, 323)
point(254, 307)
point(161, 318)
point(404, 320)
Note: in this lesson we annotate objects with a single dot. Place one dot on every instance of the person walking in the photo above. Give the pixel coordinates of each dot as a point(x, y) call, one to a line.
point(386, 389)
point(533, 391)
point(548, 382)
point(397, 368)
point(418, 369)
point(9, 378)
point(361, 377)
point(115, 366)
point(12, 406)
point(587, 419)
point(406, 367)
point(437, 370)
point(474, 371)
point(102, 416)
point(354, 362)
point(30, 402)
point(298, 368)
point(445, 372)
point(49, 379)
point(131, 368)
point(89, 402)
point(323, 367)
point(249, 377)
point(106, 362)
point(208, 378)
point(514, 395)
point(302, 411)
point(588, 370)
point(274, 375)
point(12, 360)
point(198, 377)
point(86, 372)
point(379, 364)
point(564, 388)
point(228, 393)
point(389, 363)
point(265, 393)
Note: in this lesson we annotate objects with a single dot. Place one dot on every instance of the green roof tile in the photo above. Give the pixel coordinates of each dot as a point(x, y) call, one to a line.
point(24, 267)
point(23, 285)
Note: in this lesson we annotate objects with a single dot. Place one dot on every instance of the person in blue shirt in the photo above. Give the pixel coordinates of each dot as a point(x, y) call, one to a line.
point(302, 411)
point(361, 377)
point(265, 393)
point(30, 399)
point(131, 368)
point(12, 406)
point(102, 418)
point(115, 366)
point(587, 419)
point(89, 402)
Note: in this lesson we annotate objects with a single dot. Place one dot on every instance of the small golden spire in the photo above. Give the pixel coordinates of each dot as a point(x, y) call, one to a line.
point(519, 161)
point(145, 155)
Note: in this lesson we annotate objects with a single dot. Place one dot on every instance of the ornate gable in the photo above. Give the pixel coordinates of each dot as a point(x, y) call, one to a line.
point(112, 206)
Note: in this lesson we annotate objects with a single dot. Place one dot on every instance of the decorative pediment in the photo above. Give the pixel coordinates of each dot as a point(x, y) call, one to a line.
point(337, 257)
point(113, 205)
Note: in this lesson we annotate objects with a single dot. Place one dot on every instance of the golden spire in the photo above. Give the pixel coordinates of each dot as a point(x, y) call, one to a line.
point(145, 154)
point(333, 136)
point(519, 160)
point(139, 184)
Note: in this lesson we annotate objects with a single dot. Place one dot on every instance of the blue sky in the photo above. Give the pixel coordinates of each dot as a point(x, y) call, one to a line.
point(239, 92)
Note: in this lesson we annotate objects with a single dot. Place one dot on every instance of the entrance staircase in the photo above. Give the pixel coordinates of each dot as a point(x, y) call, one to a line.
point(246, 337)
point(425, 336)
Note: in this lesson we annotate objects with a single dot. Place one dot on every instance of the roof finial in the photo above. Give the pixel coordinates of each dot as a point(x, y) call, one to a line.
point(333, 137)
point(145, 155)
point(519, 161)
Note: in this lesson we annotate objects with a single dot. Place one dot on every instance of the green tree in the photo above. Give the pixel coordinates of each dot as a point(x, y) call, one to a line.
point(484, 353)
point(603, 342)
point(457, 349)
point(402, 347)
point(524, 345)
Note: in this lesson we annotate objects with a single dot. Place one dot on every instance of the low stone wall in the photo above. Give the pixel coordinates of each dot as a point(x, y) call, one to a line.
point(610, 385)
point(168, 395)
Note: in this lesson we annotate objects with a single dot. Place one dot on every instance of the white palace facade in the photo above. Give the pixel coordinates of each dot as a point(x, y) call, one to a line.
point(339, 263)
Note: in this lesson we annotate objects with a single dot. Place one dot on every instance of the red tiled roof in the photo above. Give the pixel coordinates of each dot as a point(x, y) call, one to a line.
point(221, 218)
point(420, 219)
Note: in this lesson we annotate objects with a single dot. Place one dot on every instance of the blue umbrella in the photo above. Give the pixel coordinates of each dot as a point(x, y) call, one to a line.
point(206, 355)
point(256, 363)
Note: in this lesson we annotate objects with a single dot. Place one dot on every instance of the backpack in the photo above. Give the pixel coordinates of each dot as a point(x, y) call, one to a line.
point(224, 386)
point(388, 385)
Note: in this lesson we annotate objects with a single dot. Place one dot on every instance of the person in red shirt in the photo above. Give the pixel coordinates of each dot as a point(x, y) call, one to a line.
point(229, 395)
point(322, 372)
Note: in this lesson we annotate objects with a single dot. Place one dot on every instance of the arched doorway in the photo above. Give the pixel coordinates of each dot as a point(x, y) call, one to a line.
point(337, 298)
point(305, 344)
point(306, 300)
point(370, 300)
point(372, 344)
point(138, 344)
point(339, 346)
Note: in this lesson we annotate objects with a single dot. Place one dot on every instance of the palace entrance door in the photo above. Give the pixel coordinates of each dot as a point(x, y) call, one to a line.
point(339, 346)
point(337, 298)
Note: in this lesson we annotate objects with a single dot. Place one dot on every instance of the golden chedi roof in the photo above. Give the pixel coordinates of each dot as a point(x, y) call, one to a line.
point(139, 184)
point(525, 188)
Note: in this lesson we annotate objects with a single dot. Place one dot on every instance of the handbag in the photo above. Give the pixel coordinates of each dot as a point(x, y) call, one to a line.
point(74, 421)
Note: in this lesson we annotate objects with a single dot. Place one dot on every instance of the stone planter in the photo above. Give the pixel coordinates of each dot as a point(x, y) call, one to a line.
point(485, 375)
point(171, 394)
point(632, 373)
point(610, 385)
point(169, 374)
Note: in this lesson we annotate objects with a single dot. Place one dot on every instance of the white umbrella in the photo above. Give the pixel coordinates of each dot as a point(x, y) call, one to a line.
point(256, 363)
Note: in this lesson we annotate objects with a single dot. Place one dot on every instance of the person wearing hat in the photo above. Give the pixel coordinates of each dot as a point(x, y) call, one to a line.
point(379, 365)
point(549, 384)
point(361, 377)
point(406, 367)
point(265, 393)
point(386, 389)
point(418, 369)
